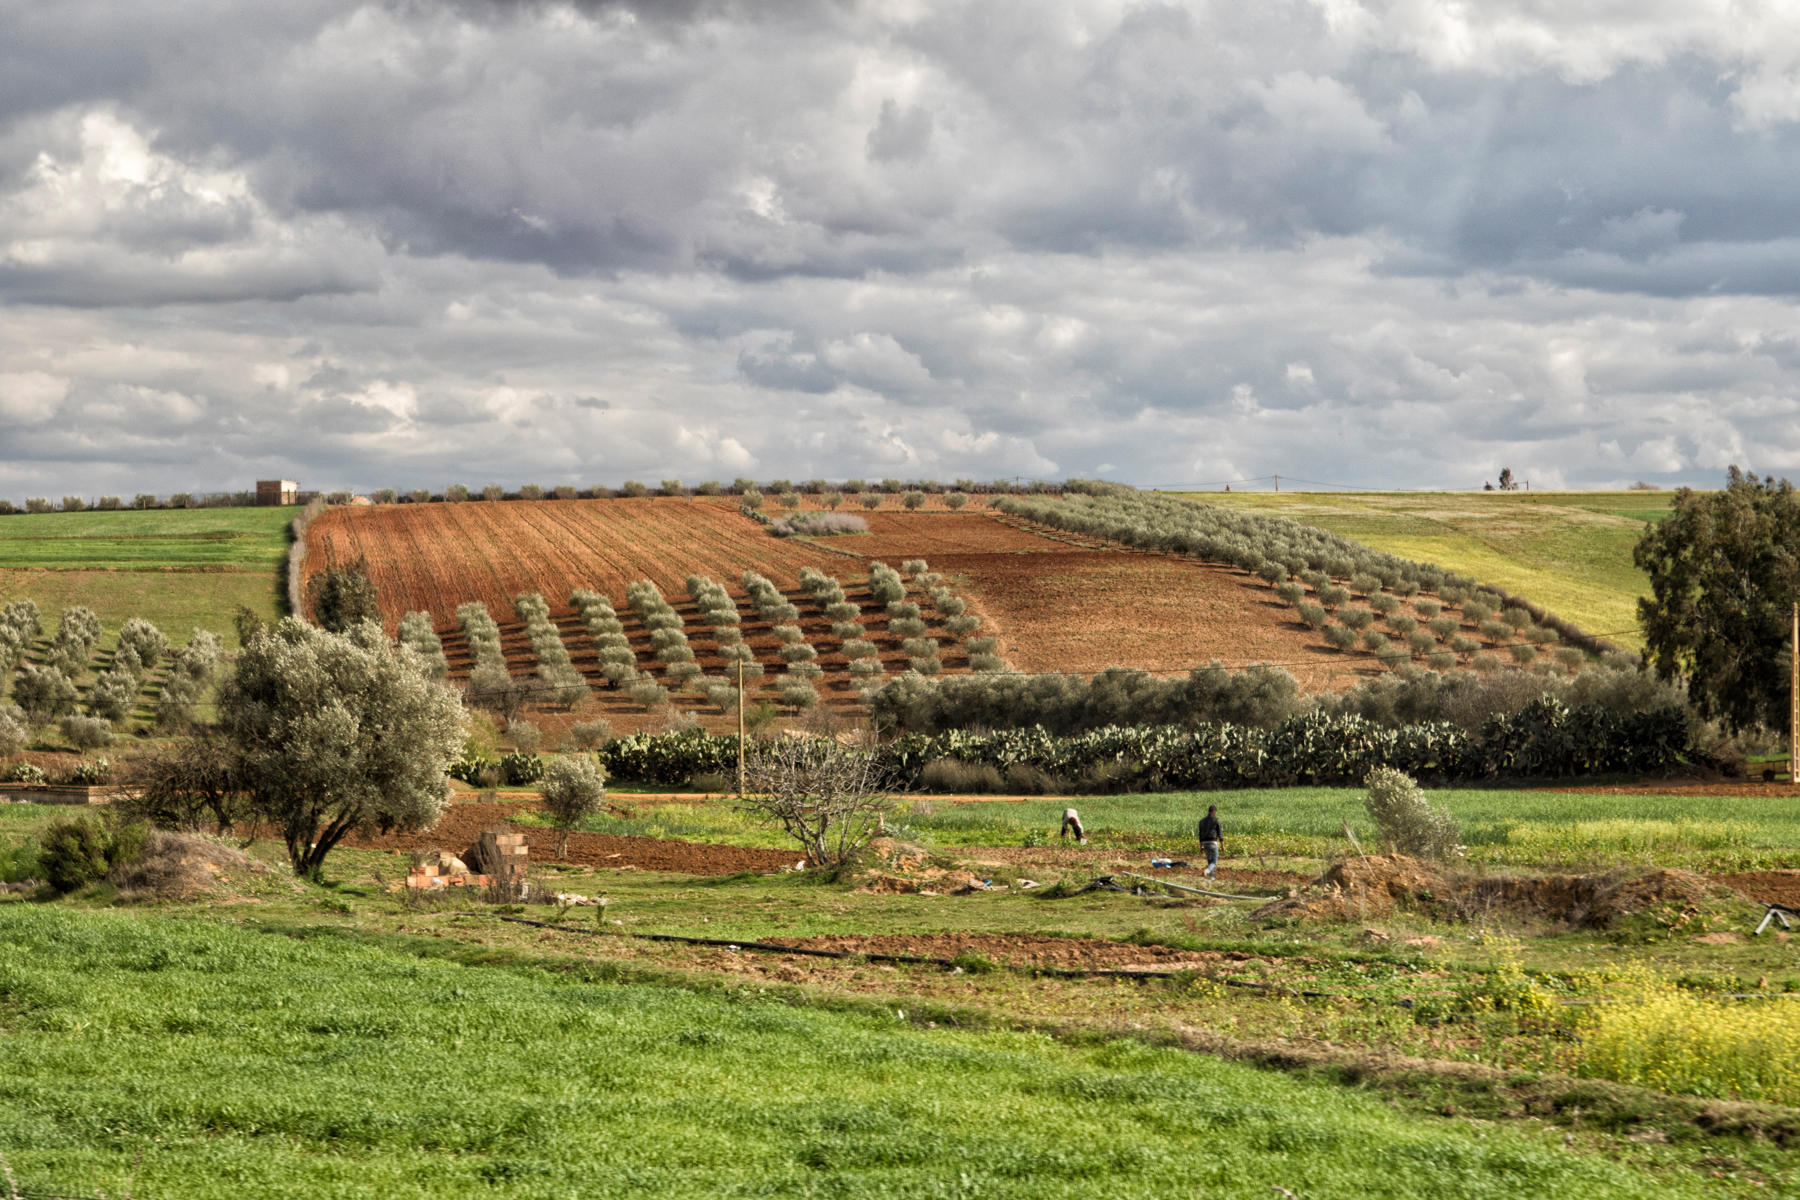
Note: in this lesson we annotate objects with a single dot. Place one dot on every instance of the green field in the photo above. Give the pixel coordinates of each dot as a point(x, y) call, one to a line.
point(1568, 551)
point(1501, 826)
point(198, 1059)
point(179, 568)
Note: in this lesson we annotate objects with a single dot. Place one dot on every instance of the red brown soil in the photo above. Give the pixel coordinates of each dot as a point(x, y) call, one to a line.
point(462, 824)
point(1685, 787)
point(1766, 887)
point(1016, 950)
point(432, 557)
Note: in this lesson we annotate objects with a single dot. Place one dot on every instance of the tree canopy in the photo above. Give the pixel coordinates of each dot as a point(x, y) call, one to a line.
point(1724, 573)
point(337, 732)
point(342, 596)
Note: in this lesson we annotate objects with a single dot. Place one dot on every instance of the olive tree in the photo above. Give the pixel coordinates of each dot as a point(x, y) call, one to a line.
point(574, 789)
point(334, 733)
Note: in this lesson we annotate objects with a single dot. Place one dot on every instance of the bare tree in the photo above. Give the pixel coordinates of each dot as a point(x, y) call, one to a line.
point(827, 794)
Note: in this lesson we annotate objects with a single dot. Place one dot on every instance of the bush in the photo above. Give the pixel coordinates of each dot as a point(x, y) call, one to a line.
point(113, 696)
point(75, 854)
point(1358, 619)
point(962, 625)
point(869, 500)
point(649, 694)
point(798, 695)
point(87, 733)
point(525, 735)
point(1407, 823)
point(1290, 593)
point(1339, 637)
point(1313, 614)
point(14, 736)
point(585, 735)
point(913, 499)
point(1444, 628)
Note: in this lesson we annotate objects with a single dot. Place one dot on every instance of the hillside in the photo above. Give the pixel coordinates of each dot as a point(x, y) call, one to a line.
point(179, 568)
point(1568, 551)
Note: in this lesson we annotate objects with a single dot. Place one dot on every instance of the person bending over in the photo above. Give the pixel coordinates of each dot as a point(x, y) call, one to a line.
point(1072, 824)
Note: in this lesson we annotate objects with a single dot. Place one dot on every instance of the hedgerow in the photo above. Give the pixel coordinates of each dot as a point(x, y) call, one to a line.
point(416, 630)
point(562, 682)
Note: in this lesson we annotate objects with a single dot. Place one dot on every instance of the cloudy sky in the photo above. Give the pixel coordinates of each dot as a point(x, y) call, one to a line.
point(415, 243)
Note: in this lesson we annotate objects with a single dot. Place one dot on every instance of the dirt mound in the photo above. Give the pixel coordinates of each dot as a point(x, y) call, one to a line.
point(1766, 887)
point(1027, 950)
point(1592, 901)
point(1363, 887)
point(177, 866)
point(899, 868)
point(462, 824)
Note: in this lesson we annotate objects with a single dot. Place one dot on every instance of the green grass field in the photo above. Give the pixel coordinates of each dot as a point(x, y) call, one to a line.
point(1500, 826)
point(197, 1059)
point(1568, 551)
point(179, 568)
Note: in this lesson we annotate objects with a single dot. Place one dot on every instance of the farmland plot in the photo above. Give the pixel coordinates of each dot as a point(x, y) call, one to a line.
point(432, 557)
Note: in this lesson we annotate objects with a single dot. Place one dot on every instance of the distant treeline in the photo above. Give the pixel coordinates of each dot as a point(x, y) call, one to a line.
point(459, 492)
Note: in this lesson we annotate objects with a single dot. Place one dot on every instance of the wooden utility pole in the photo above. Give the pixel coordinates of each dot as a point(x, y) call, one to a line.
point(1794, 702)
point(1278, 483)
point(740, 665)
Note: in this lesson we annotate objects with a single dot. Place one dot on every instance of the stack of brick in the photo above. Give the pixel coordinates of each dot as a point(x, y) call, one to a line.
point(505, 856)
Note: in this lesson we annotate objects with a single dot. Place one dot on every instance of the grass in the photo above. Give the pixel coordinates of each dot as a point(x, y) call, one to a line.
point(1500, 826)
point(239, 1063)
point(181, 569)
point(1568, 551)
point(1661, 1037)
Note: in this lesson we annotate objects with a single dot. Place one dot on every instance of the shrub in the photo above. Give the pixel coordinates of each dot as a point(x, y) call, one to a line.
point(1333, 595)
point(672, 487)
point(1463, 644)
point(1290, 593)
point(456, 493)
point(1358, 619)
point(144, 500)
point(634, 489)
point(564, 491)
point(1523, 653)
point(870, 500)
point(383, 495)
point(1570, 657)
point(955, 500)
point(1403, 625)
point(1406, 822)
point(985, 662)
point(679, 673)
point(75, 854)
point(1441, 660)
point(1313, 614)
point(865, 668)
point(962, 625)
point(1495, 631)
point(794, 652)
point(109, 503)
point(1485, 662)
point(913, 499)
point(531, 491)
point(1339, 637)
point(525, 735)
point(1444, 628)
point(753, 500)
point(1384, 604)
point(860, 648)
point(585, 735)
point(493, 491)
point(1428, 609)
point(74, 504)
point(1374, 641)
point(1518, 618)
point(87, 733)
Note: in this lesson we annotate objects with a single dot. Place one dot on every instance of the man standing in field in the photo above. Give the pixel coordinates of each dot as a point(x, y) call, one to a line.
point(1210, 833)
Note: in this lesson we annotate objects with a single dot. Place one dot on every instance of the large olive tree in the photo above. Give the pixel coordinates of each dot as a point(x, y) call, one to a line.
point(1724, 571)
point(337, 732)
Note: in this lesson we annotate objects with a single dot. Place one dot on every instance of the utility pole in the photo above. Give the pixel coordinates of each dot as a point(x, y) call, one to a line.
point(740, 665)
point(1794, 702)
point(1278, 483)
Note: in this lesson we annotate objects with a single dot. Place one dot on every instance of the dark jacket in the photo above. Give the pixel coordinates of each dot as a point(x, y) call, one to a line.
point(1210, 830)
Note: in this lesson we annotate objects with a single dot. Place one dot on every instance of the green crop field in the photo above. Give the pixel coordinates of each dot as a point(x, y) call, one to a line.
point(180, 568)
point(191, 1058)
point(1568, 551)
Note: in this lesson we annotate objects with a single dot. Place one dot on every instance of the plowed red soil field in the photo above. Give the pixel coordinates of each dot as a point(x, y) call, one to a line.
point(432, 557)
point(1082, 605)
